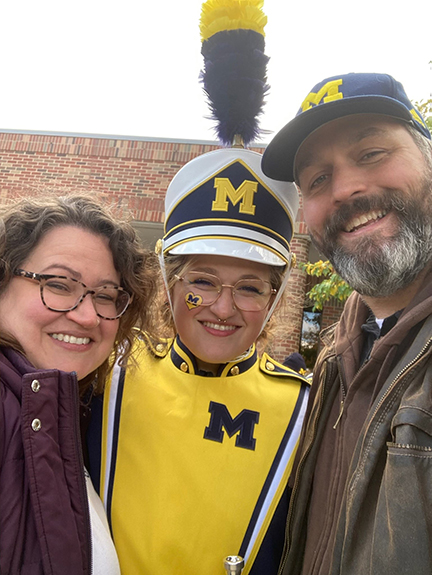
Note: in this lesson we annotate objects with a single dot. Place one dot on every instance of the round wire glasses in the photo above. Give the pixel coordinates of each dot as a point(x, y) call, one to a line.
point(61, 293)
point(248, 294)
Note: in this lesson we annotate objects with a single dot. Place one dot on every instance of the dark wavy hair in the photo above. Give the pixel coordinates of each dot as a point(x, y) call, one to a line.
point(25, 222)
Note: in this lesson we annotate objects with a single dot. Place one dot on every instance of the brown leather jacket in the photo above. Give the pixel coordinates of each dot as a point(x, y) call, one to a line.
point(384, 514)
point(44, 516)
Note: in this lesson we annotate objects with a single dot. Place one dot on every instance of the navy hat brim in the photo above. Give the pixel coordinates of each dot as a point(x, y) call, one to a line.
point(279, 156)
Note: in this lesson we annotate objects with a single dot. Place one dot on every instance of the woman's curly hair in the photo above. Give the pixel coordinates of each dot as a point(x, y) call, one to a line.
point(24, 223)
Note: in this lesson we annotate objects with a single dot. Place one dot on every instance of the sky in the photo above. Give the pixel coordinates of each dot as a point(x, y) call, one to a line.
point(131, 67)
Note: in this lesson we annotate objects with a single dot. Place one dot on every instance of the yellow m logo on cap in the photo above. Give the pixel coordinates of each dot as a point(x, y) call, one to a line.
point(225, 191)
point(328, 93)
point(417, 118)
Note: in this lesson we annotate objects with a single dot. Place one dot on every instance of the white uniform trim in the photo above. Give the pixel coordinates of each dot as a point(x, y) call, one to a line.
point(111, 428)
point(278, 476)
point(240, 233)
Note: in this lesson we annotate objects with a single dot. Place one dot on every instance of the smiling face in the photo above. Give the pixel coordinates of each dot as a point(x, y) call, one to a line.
point(366, 193)
point(76, 340)
point(212, 341)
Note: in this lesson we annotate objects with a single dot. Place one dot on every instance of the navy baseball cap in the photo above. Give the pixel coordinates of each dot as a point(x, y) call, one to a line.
point(334, 98)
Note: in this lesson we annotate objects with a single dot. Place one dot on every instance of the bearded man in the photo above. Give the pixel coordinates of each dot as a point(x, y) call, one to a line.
point(362, 495)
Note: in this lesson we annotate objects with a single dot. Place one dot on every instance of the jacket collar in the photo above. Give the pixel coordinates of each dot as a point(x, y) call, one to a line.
point(14, 367)
point(356, 313)
point(185, 361)
point(345, 339)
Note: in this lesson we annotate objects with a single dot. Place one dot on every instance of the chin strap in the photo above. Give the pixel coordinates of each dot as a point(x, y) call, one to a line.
point(281, 290)
point(159, 253)
point(290, 265)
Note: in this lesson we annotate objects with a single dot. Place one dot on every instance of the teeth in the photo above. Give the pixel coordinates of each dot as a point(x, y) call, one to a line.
point(364, 219)
point(219, 326)
point(71, 338)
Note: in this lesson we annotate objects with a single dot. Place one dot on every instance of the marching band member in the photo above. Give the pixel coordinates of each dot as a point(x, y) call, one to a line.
point(198, 441)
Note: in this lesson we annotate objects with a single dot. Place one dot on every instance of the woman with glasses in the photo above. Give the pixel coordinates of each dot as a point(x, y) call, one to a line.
point(199, 441)
point(73, 284)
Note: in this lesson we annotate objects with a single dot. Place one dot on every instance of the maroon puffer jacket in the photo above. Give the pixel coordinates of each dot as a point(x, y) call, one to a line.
point(44, 516)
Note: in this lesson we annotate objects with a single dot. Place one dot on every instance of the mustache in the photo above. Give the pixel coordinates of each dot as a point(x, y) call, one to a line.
point(385, 201)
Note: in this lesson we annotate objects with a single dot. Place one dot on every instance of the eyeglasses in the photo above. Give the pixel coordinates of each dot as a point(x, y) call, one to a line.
point(60, 293)
point(248, 294)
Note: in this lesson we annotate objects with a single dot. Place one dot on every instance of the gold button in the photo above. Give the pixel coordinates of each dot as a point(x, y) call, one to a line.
point(160, 347)
point(36, 424)
point(35, 385)
point(158, 247)
point(270, 366)
point(235, 370)
point(184, 366)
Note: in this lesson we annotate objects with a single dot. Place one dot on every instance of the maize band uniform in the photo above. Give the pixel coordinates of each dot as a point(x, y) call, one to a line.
point(195, 463)
point(195, 466)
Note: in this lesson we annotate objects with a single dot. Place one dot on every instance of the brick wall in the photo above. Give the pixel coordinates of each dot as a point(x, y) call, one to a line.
point(331, 313)
point(133, 174)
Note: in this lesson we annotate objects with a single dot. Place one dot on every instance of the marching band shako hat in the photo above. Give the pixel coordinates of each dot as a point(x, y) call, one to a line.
point(334, 98)
point(221, 203)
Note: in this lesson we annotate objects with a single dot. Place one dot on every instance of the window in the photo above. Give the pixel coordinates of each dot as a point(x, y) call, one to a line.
point(149, 232)
point(309, 342)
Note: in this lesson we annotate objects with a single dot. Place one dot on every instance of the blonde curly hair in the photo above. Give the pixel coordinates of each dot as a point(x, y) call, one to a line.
point(177, 265)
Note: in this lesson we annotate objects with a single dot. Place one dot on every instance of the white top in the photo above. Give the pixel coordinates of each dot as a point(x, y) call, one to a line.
point(104, 556)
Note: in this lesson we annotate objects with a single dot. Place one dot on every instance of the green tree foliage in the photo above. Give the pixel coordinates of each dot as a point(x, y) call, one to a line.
point(425, 109)
point(332, 285)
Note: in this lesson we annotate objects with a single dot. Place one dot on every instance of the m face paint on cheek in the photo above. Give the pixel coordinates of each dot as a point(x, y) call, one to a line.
point(192, 300)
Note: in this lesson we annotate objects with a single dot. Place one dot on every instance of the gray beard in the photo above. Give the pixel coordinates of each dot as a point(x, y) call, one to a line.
point(379, 268)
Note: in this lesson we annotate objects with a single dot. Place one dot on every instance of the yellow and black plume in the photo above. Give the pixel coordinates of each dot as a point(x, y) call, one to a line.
point(234, 74)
